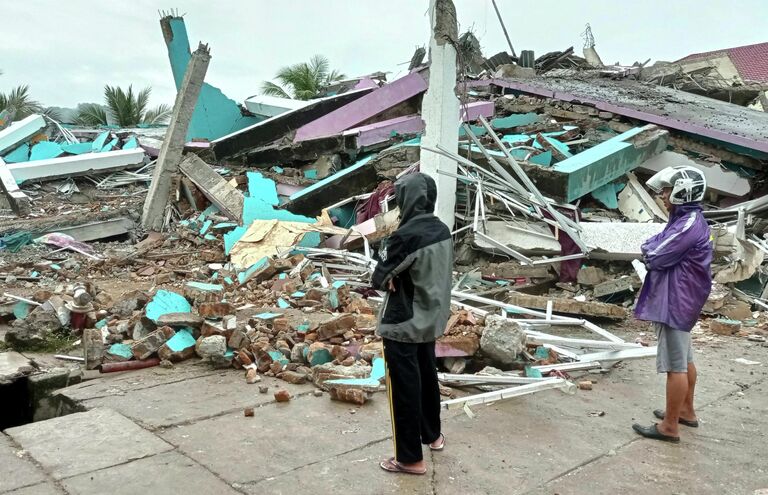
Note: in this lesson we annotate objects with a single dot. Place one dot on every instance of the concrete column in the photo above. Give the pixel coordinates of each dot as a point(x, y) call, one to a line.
point(167, 165)
point(440, 107)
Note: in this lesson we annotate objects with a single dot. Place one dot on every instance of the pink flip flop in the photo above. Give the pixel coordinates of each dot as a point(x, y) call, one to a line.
point(392, 466)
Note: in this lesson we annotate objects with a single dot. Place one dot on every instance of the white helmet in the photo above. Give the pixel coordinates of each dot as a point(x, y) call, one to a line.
point(688, 184)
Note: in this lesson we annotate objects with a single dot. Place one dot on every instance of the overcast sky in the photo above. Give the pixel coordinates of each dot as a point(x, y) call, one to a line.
point(66, 51)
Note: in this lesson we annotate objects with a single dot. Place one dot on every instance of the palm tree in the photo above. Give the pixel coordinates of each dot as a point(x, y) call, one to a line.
point(123, 108)
point(19, 103)
point(302, 81)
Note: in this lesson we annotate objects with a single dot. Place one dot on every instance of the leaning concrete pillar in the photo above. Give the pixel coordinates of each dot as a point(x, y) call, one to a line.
point(167, 165)
point(440, 107)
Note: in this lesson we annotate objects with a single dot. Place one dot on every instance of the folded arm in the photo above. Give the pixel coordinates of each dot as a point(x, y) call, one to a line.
point(397, 260)
point(667, 250)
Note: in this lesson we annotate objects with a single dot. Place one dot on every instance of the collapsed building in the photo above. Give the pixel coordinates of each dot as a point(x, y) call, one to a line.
point(248, 232)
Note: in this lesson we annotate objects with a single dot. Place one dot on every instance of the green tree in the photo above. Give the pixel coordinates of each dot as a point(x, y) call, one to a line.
point(302, 81)
point(124, 108)
point(19, 103)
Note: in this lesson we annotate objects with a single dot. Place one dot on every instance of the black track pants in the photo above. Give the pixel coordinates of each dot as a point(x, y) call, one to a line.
point(414, 397)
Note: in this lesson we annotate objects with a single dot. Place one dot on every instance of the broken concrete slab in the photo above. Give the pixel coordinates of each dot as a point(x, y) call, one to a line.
point(724, 326)
point(730, 125)
point(227, 198)
point(522, 236)
point(617, 240)
point(567, 306)
point(20, 130)
point(150, 344)
point(348, 182)
point(165, 302)
point(611, 159)
point(367, 136)
point(719, 178)
point(93, 231)
point(637, 204)
point(76, 165)
point(616, 286)
point(64, 446)
point(502, 340)
point(363, 109)
point(179, 347)
point(590, 276)
point(179, 320)
point(19, 201)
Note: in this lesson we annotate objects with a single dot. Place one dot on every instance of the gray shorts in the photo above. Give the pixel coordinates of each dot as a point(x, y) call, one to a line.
point(674, 349)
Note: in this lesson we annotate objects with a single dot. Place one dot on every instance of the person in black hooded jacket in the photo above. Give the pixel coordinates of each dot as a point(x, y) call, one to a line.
point(416, 271)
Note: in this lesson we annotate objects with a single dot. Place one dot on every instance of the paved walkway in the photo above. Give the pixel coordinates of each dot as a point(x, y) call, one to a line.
point(183, 431)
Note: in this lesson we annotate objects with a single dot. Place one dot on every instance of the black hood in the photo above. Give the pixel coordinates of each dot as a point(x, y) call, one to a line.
point(416, 195)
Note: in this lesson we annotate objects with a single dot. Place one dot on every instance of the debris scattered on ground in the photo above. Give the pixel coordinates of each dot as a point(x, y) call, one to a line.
point(253, 249)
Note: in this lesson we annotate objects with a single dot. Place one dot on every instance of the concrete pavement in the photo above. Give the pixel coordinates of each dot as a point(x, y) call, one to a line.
point(183, 431)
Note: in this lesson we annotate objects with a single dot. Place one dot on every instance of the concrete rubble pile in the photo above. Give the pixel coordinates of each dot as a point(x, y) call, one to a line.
point(254, 247)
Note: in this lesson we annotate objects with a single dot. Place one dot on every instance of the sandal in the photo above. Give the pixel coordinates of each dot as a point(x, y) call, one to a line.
point(439, 447)
point(654, 433)
point(392, 466)
point(659, 413)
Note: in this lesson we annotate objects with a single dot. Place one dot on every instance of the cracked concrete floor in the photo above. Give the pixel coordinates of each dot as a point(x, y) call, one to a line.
point(183, 431)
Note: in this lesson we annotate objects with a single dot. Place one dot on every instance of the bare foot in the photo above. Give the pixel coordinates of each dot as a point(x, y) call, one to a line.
point(415, 466)
point(664, 428)
point(689, 415)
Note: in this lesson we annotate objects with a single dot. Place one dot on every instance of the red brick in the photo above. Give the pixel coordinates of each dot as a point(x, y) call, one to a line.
point(314, 295)
point(281, 325)
point(353, 395)
point(282, 396)
point(150, 344)
point(245, 358)
point(215, 310)
point(337, 326)
point(293, 377)
point(210, 328)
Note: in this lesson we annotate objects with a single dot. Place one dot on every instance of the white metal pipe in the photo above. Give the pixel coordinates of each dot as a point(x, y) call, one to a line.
point(509, 393)
point(538, 338)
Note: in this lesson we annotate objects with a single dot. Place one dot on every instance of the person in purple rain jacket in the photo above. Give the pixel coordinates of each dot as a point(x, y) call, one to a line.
point(675, 289)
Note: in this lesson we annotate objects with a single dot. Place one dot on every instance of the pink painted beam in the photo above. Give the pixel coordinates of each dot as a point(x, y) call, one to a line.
point(476, 109)
point(366, 83)
point(362, 109)
point(381, 132)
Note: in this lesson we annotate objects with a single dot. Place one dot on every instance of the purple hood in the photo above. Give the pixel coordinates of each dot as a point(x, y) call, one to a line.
point(679, 280)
